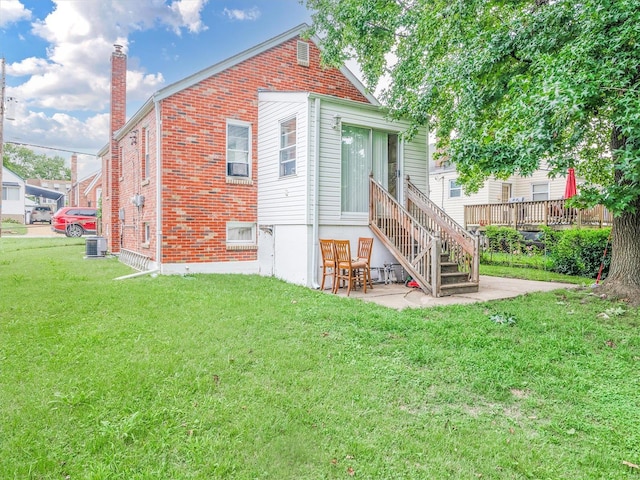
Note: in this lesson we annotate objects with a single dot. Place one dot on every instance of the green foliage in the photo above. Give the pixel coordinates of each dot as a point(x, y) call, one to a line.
point(506, 85)
point(247, 377)
point(504, 239)
point(28, 164)
point(580, 252)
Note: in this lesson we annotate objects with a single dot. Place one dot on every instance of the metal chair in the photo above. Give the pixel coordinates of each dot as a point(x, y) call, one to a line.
point(347, 269)
point(328, 262)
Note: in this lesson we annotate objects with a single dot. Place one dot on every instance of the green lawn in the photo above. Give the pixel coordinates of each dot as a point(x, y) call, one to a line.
point(13, 228)
point(226, 376)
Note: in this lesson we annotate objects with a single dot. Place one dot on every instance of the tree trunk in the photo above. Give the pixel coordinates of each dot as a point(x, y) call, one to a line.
point(623, 280)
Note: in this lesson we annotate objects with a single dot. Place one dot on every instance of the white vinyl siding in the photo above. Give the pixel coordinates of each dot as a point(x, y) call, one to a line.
point(283, 199)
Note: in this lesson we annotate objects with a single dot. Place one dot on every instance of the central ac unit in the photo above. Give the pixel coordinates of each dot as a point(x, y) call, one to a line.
point(237, 169)
point(96, 247)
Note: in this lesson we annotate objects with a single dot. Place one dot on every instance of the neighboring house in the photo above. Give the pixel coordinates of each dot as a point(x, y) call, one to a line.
point(13, 200)
point(180, 178)
point(49, 192)
point(86, 192)
point(315, 155)
point(445, 191)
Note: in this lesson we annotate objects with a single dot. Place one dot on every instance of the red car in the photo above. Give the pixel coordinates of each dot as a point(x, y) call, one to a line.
point(74, 221)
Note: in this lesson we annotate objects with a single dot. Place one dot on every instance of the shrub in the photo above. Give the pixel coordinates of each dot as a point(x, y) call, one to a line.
point(580, 251)
point(504, 239)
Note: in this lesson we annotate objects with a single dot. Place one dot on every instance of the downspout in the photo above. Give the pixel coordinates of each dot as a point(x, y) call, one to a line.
point(316, 195)
point(156, 104)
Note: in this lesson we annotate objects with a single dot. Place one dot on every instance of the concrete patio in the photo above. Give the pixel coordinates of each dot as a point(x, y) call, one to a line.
point(399, 296)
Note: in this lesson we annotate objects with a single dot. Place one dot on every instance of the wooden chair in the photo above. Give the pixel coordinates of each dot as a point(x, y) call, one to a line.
point(365, 245)
point(348, 270)
point(328, 262)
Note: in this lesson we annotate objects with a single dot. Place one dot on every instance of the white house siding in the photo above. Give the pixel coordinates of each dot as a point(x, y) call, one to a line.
point(491, 192)
point(454, 207)
point(287, 207)
point(13, 209)
point(282, 199)
point(413, 161)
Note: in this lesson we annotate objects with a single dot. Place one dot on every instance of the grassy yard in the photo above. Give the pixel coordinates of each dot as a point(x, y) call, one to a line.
point(242, 377)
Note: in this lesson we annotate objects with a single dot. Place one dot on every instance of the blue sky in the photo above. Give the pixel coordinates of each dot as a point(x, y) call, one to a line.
point(57, 56)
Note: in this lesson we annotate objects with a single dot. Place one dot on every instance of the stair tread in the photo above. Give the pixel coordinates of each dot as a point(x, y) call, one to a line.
point(461, 284)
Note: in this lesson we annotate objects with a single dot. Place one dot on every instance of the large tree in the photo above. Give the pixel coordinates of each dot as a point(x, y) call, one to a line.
point(508, 84)
point(28, 164)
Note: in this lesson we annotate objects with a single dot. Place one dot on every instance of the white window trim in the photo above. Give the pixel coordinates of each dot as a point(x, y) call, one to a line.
point(239, 123)
point(458, 188)
point(294, 146)
point(533, 185)
point(241, 244)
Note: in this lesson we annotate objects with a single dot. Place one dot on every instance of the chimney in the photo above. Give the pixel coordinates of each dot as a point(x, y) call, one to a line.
point(118, 89)
point(74, 193)
point(118, 118)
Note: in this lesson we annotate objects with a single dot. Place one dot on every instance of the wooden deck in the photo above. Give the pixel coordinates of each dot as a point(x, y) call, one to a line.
point(531, 216)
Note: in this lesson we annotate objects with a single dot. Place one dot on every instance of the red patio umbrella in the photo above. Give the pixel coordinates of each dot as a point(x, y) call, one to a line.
point(570, 189)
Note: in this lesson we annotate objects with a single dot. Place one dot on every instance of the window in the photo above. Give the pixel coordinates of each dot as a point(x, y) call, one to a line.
point(288, 147)
point(238, 149)
point(10, 193)
point(364, 151)
point(147, 233)
point(355, 166)
point(540, 191)
point(241, 233)
point(455, 190)
point(145, 153)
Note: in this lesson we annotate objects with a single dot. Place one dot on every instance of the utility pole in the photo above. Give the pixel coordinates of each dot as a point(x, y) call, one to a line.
point(1, 140)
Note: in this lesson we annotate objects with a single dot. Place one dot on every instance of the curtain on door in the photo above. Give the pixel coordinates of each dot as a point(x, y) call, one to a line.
point(363, 151)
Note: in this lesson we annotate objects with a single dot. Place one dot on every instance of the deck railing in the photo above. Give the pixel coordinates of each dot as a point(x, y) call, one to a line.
point(462, 247)
point(533, 215)
point(413, 245)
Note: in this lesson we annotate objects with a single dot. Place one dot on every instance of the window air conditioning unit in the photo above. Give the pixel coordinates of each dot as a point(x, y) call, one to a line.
point(236, 169)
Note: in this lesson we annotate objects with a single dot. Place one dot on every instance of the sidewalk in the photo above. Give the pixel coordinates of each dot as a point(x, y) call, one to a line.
point(491, 288)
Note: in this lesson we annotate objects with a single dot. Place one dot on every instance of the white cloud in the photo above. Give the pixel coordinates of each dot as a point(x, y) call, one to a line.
point(235, 14)
point(12, 11)
point(74, 76)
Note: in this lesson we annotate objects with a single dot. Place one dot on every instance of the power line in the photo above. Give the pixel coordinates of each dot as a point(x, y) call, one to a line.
point(52, 148)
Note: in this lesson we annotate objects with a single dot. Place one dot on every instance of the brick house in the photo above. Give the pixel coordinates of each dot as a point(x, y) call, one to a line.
point(84, 192)
point(179, 178)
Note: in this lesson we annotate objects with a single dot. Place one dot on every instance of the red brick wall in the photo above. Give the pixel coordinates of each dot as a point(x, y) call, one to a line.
point(197, 201)
point(132, 182)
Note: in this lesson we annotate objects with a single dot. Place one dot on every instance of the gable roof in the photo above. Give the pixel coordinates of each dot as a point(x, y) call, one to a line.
point(197, 77)
point(252, 52)
point(96, 176)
